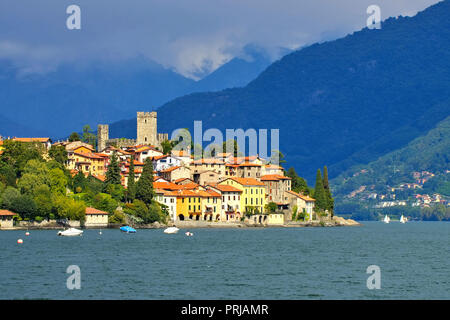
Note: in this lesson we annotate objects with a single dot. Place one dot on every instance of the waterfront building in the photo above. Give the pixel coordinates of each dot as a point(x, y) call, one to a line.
point(253, 197)
point(96, 218)
point(6, 219)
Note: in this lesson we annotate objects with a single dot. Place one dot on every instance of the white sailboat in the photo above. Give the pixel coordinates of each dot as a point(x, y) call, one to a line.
point(386, 219)
point(403, 219)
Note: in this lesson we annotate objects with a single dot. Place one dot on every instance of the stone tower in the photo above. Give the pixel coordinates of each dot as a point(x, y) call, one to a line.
point(147, 128)
point(102, 136)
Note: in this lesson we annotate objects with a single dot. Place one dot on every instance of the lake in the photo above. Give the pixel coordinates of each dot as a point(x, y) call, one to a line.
point(255, 263)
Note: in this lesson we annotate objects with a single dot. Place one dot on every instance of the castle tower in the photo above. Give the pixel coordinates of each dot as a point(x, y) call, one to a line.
point(147, 128)
point(102, 136)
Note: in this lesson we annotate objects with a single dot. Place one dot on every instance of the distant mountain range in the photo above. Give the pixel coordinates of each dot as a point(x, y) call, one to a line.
point(338, 103)
point(57, 103)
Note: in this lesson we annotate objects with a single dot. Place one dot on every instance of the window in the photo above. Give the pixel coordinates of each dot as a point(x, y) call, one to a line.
point(189, 208)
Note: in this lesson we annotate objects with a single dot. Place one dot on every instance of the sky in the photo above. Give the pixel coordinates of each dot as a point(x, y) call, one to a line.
point(191, 37)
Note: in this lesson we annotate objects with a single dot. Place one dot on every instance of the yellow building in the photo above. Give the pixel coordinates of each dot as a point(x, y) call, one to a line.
point(211, 205)
point(253, 197)
point(189, 205)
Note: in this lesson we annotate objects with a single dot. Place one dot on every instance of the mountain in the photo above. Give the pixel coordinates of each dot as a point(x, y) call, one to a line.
point(62, 101)
point(239, 71)
point(421, 167)
point(338, 103)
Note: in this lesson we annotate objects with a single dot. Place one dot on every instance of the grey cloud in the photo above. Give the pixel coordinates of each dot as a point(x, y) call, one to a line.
point(192, 37)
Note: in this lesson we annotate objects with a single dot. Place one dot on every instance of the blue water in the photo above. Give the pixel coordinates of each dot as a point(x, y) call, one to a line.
point(273, 263)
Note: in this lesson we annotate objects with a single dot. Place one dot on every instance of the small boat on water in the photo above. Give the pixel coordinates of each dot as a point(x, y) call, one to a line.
point(171, 230)
point(71, 232)
point(386, 219)
point(127, 229)
point(189, 234)
point(403, 219)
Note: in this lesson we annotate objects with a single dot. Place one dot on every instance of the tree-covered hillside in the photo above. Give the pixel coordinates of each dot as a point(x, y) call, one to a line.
point(338, 103)
point(420, 168)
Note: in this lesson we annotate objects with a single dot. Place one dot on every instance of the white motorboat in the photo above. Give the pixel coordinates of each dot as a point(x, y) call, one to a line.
point(71, 232)
point(386, 219)
point(171, 230)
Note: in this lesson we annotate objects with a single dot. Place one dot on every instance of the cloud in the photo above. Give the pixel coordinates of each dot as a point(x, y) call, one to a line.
point(192, 37)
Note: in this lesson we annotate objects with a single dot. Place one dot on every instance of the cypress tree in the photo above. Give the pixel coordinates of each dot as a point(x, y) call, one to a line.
point(144, 186)
point(113, 173)
point(319, 192)
point(131, 187)
point(326, 186)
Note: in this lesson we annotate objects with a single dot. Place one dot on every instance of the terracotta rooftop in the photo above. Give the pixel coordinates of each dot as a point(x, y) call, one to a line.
point(274, 177)
point(90, 210)
point(7, 213)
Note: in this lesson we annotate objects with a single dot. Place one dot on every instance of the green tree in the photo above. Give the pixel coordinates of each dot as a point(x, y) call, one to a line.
point(79, 182)
point(35, 173)
point(88, 136)
point(271, 207)
point(113, 172)
point(57, 181)
point(319, 193)
point(326, 186)
point(74, 136)
point(9, 197)
point(144, 186)
point(298, 184)
point(131, 186)
point(17, 154)
point(43, 200)
point(58, 153)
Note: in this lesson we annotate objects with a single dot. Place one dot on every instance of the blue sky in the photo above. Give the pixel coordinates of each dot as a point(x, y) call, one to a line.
point(191, 37)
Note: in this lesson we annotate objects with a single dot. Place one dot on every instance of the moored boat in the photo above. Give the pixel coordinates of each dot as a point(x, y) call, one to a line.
point(71, 232)
point(127, 229)
point(171, 230)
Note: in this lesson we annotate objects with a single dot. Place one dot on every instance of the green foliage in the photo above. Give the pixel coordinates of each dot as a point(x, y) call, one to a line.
point(298, 184)
point(328, 196)
point(118, 217)
point(69, 208)
point(144, 186)
point(79, 182)
point(17, 154)
point(319, 193)
point(58, 153)
point(104, 202)
point(271, 207)
point(88, 136)
point(113, 172)
point(131, 187)
point(148, 214)
point(74, 136)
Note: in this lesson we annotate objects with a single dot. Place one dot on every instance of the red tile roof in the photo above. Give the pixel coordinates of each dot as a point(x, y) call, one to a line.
point(7, 213)
point(90, 210)
point(274, 177)
point(248, 181)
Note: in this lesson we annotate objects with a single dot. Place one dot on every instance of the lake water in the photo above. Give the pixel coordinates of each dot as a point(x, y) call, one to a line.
point(272, 263)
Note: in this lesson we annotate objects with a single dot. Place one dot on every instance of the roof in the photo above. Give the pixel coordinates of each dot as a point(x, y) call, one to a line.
point(303, 197)
point(7, 213)
point(208, 161)
point(226, 188)
point(274, 177)
point(248, 181)
point(99, 177)
point(170, 169)
point(156, 158)
point(90, 210)
point(180, 153)
point(89, 155)
point(273, 166)
point(31, 139)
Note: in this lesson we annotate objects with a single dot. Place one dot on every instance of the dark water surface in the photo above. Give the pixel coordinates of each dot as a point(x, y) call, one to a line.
point(272, 263)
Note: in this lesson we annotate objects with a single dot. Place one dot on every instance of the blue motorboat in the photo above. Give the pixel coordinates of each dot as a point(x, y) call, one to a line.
point(127, 229)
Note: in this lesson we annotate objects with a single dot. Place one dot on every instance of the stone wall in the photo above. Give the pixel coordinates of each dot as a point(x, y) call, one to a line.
point(147, 128)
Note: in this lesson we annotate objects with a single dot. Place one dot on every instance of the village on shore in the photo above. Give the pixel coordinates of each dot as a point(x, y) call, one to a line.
point(223, 190)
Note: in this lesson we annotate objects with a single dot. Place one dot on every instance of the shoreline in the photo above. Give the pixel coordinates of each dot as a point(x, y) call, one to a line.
point(336, 222)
